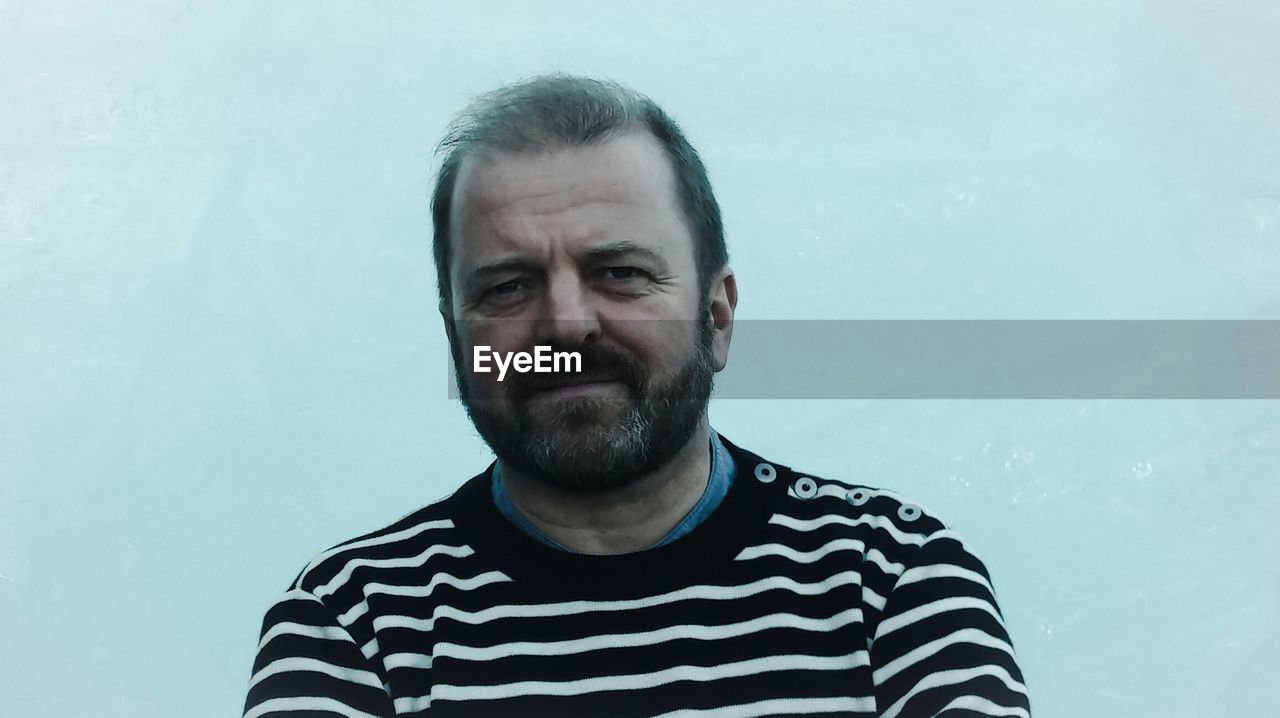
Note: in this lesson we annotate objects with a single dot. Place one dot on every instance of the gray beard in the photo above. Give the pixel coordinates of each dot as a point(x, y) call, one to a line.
point(575, 446)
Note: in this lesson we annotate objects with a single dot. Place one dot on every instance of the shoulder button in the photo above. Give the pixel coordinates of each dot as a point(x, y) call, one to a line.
point(806, 488)
point(766, 473)
point(858, 497)
point(907, 512)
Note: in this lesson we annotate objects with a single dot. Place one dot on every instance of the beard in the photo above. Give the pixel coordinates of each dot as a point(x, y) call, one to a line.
point(593, 443)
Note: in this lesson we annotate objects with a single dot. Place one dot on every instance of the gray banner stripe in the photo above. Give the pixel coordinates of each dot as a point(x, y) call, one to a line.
point(1001, 359)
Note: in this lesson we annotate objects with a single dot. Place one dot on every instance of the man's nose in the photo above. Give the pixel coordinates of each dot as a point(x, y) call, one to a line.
point(569, 316)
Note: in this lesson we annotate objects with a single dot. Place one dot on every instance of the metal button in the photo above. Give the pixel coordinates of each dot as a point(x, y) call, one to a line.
point(806, 488)
point(766, 473)
point(858, 497)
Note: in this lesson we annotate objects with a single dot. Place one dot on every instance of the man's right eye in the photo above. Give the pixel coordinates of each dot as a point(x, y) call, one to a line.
point(500, 292)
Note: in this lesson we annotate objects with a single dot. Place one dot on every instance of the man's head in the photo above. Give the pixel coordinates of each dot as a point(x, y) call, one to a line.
point(573, 213)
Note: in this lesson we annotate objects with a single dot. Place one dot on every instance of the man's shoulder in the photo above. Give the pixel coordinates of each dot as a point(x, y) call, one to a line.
point(415, 540)
point(817, 515)
point(815, 498)
point(865, 503)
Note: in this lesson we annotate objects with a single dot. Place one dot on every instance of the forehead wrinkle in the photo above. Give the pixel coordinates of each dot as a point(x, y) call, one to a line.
point(578, 223)
point(561, 199)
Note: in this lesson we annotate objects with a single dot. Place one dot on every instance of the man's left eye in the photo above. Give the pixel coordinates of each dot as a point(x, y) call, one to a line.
point(623, 272)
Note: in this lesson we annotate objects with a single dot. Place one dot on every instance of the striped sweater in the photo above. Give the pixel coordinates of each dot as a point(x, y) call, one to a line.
point(797, 596)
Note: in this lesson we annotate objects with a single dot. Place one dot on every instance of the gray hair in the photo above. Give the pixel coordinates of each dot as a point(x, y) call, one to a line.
point(557, 110)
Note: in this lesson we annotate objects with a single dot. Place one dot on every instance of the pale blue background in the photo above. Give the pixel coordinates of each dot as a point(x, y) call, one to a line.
point(220, 354)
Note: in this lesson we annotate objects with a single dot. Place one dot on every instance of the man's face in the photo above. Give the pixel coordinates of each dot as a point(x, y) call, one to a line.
point(583, 249)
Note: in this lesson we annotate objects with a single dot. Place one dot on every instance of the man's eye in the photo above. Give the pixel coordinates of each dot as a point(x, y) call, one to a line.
point(504, 290)
point(623, 272)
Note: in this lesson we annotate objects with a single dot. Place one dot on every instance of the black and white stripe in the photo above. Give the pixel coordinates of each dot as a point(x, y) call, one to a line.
point(778, 604)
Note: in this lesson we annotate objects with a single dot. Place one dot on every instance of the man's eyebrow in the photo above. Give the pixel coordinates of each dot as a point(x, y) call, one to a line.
point(615, 250)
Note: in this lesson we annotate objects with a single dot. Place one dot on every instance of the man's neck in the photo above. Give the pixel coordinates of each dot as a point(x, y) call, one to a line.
point(624, 520)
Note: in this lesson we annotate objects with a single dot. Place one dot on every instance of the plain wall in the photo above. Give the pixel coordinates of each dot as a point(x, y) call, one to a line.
point(220, 351)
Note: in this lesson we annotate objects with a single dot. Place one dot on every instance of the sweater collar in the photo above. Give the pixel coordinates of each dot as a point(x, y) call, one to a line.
point(741, 517)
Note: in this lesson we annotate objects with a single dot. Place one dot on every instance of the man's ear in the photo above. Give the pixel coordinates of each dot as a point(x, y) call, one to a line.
point(723, 302)
point(445, 315)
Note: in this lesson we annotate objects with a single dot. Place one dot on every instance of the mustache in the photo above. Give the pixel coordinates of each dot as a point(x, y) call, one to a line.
point(599, 363)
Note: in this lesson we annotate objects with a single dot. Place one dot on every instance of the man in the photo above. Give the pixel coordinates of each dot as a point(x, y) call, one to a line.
point(620, 558)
